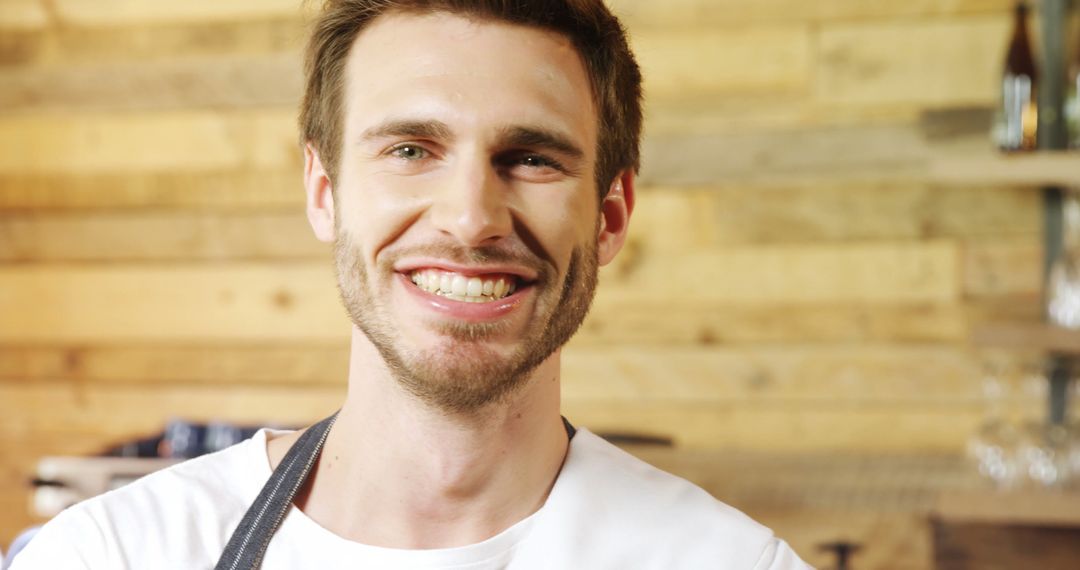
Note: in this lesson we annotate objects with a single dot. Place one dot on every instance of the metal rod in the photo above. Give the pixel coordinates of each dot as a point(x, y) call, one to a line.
point(1058, 375)
point(1053, 17)
point(1053, 135)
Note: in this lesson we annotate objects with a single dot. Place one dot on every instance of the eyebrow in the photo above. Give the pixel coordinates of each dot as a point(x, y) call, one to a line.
point(511, 136)
point(409, 128)
point(518, 136)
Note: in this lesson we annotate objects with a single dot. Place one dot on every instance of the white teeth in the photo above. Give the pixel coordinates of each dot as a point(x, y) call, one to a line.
point(475, 287)
point(460, 285)
point(461, 288)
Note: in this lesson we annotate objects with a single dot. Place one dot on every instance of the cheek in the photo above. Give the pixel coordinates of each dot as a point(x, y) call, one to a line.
point(563, 221)
point(376, 212)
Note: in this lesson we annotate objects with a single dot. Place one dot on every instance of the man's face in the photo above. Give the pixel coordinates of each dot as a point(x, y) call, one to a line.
point(467, 213)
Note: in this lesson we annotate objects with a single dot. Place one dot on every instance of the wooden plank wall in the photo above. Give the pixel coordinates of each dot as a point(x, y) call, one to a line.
point(789, 285)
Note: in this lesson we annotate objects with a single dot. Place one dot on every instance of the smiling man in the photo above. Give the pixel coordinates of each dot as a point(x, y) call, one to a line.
point(473, 164)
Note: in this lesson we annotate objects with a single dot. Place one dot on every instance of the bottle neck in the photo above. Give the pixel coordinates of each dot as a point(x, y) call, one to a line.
point(1020, 60)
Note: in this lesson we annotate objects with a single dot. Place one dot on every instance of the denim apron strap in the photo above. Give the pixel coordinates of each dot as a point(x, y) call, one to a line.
point(248, 543)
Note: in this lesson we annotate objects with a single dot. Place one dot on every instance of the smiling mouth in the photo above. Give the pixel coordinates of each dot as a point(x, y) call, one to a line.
point(457, 287)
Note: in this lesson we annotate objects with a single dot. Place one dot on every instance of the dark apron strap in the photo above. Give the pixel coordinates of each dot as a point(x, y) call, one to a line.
point(248, 543)
point(570, 429)
point(247, 546)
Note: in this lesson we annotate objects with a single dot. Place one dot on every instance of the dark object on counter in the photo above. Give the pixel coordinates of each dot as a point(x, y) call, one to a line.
point(184, 440)
point(634, 439)
point(843, 551)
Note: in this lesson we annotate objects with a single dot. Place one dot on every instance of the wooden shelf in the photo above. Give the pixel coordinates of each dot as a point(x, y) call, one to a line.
point(1034, 508)
point(1036, 169)
point(1035, 336)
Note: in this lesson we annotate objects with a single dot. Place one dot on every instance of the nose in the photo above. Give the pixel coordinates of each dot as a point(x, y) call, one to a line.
point(472, 206)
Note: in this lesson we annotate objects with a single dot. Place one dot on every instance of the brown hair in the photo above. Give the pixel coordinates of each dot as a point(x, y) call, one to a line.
point(594, 31)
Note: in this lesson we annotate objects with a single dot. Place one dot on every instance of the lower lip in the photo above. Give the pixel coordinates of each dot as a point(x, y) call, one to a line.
point(472, 312)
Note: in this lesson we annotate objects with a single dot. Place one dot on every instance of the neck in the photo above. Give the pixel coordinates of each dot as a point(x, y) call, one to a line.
point(397, 473)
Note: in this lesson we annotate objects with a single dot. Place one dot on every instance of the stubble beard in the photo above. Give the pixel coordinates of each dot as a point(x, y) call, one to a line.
point(462, 375)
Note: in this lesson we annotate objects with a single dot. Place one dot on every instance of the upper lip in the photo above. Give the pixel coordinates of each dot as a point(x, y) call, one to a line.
point(522, 273)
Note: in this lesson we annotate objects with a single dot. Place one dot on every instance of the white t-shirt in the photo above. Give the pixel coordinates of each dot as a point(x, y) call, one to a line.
point(607, 509)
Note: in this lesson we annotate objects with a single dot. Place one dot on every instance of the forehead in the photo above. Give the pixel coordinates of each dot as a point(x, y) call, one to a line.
point(466, 72)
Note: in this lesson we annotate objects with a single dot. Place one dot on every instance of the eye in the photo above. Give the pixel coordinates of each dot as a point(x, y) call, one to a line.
point(408, 151)
point(530, 162)
point(538, 161)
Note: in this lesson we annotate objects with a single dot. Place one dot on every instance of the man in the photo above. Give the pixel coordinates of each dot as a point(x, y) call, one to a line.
point(473, 163)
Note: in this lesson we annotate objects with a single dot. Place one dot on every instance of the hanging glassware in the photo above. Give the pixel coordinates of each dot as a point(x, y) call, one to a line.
point(993, 446)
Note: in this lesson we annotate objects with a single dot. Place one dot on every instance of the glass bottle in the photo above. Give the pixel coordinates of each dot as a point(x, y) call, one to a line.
point(1016, 123)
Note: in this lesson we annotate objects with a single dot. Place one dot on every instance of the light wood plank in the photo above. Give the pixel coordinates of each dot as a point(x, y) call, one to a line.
point(137, 12)
point(218, 82)
point(21, 15)
point(180, 302)
point(674, 219)
point(668, 220)
point(816, 374)
point(1030, 335)
point(194, 141)
point(1031, 170)
point(895, 144)
point(248, 190)
point(1026, 508)
point(299, 299)
point(660, 326)
point(662, 321)
point(644, 14)
point(861, 273)
point(637, 13)
point(896, 153)
point(158, 236)
point(1003, 267)
point(932, 62)
point(677, 65)
point(134, 142)
point(699, 65)
point(120, 411)
point(292, 363)
point(67, 46)
point(785, 428)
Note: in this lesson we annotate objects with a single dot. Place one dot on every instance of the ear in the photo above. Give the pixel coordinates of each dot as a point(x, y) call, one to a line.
point(320, 196)
point(615, 216)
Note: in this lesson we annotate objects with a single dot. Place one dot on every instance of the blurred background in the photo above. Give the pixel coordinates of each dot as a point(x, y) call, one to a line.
point(829, 313)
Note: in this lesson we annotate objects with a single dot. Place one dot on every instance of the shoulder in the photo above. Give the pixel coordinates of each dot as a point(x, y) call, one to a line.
point(658, 520)
point(651, 498)
point(184, 513)
point(218, 483)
